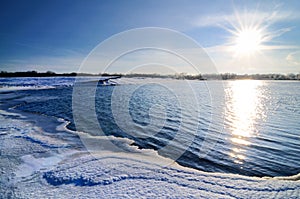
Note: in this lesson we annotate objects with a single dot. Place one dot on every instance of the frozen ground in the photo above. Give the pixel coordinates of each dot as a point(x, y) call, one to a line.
point(39, 164)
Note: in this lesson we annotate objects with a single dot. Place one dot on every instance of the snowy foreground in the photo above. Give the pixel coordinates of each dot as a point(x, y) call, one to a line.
point(39, 164)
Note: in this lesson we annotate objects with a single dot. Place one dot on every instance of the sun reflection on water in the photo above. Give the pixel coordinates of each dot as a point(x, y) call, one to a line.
point(244, 107)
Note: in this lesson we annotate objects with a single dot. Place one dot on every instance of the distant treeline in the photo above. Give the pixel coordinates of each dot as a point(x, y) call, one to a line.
point(175, 76)
point(48, 74)
point(33, 74)
point(224, 76)
point(232, 76)
point(53, 74)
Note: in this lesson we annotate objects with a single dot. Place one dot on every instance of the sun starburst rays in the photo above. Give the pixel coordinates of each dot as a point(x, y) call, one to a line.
point(250, 33)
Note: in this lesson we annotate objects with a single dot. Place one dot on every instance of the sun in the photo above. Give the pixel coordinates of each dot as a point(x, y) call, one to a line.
point(247, 41)
point(250, 33)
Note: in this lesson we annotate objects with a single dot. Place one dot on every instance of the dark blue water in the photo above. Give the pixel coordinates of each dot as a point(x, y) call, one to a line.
point(250, 128)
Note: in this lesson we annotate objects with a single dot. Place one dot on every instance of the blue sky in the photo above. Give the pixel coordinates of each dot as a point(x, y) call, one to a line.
point(58, 35)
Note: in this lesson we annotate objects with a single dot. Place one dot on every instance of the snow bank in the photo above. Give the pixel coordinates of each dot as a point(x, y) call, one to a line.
point(115, 177)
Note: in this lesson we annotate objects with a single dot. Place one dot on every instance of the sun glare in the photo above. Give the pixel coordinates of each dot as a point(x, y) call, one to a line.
point(247, 42)
point(250, 32)
point(245, 103)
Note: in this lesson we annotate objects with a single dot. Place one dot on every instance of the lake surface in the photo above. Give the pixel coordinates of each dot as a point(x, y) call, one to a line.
point(248, 127)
